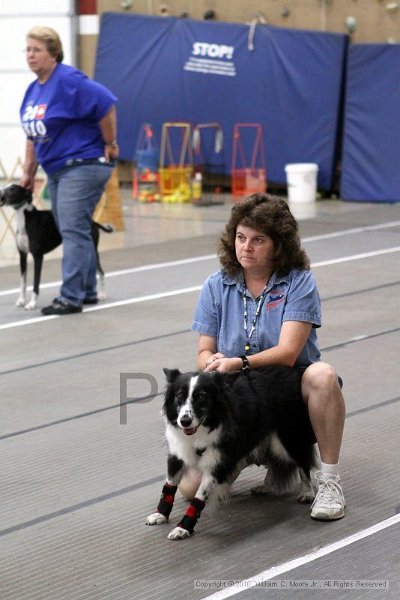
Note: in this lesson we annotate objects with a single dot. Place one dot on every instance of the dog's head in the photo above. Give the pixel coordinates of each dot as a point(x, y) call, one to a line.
point(196, 399)
point(15, 196)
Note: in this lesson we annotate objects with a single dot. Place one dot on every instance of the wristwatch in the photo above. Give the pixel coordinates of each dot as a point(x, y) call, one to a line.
point(112, 144)
point(245, 364)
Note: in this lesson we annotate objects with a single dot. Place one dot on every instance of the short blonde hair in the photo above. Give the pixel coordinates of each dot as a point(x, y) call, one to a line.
point(51, 38)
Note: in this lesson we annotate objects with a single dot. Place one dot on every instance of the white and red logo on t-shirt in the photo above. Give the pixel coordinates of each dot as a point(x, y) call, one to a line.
point(41, 111)
point(33, 120)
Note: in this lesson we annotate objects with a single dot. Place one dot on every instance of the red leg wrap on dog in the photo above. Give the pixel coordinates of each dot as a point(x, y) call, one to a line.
point(167, 499)
point(191, 515)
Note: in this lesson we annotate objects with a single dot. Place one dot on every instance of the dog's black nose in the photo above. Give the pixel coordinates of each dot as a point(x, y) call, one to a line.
point(186, 420)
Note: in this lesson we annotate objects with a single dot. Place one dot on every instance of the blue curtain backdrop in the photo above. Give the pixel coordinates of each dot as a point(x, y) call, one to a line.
point(371, 156)
point(168, 69)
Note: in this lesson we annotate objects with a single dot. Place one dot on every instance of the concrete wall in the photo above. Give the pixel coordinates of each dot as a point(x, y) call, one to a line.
point(374, 22)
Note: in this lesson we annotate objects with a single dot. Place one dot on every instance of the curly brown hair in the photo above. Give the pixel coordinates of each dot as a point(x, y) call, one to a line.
point(271, 216)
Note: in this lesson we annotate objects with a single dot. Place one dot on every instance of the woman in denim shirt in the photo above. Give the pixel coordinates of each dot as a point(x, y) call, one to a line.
point(263, 308)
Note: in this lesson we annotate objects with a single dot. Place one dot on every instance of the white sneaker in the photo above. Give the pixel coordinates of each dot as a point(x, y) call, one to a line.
point(329, 503)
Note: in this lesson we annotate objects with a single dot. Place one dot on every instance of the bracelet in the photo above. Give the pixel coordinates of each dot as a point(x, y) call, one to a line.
point(245, 364)
point(112, 144)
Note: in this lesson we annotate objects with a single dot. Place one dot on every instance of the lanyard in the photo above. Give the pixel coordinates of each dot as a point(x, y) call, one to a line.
point(254, 323)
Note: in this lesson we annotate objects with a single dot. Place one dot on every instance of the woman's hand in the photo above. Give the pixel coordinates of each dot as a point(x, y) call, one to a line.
point(213, 358)
point(27, 181)
point(223, 364)
point(111, 151)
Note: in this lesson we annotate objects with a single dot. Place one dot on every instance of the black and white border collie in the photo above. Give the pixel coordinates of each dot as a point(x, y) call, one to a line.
point(219, 423)
point(37, 234)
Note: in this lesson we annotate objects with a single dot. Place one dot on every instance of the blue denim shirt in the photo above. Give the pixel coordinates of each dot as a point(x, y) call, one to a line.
point(292, 297)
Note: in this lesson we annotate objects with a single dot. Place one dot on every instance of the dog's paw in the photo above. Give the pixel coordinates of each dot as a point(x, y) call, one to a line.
point(306, 493)
point(305, 497)
point(31, 305)
point(20, 301)
point(178, 534)
point(156, 519)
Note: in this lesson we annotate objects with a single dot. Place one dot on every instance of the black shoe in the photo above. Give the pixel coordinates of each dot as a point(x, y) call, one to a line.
point(61, 307)
point(92, 300)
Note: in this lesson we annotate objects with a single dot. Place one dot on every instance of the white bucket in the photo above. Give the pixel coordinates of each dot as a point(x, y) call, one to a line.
point(302, 182)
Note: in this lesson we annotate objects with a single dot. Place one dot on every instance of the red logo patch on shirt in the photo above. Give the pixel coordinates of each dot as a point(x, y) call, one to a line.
point(41, 111)
point(274, 301)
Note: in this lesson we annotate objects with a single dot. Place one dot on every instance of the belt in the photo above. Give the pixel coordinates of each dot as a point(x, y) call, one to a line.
point(76, 162)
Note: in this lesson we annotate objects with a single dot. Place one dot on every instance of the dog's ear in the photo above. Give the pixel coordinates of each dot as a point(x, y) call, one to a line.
point(171, 374)
point(26, 194)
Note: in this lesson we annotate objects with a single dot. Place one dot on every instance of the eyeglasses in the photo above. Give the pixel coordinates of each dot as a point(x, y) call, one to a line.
point(34, 50)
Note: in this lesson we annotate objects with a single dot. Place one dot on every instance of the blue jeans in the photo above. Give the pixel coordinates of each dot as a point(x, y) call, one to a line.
point(74, 193)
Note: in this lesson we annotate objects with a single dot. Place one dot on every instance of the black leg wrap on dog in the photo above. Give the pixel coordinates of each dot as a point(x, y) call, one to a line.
point(191, 515)
point(167, 499)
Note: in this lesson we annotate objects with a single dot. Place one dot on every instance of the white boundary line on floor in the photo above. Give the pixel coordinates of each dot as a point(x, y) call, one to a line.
point(187, 261)
point(373, 253)
point(327, 236)
point(245, 584)
point(184, 261)
point(188, 290)
point(102, 306)
point(162, 265)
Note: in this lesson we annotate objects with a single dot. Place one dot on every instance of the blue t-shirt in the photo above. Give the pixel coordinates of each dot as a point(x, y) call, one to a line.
point(292, 297)
point(61, 117)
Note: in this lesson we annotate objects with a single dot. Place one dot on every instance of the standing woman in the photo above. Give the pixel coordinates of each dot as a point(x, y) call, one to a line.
point(263, 308)
point(70, 123)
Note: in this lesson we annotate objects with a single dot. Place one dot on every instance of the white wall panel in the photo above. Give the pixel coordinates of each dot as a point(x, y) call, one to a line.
point(13, 31)
point(16, 18)
point(12, 147)
point(35, 7)
point(10, 102)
